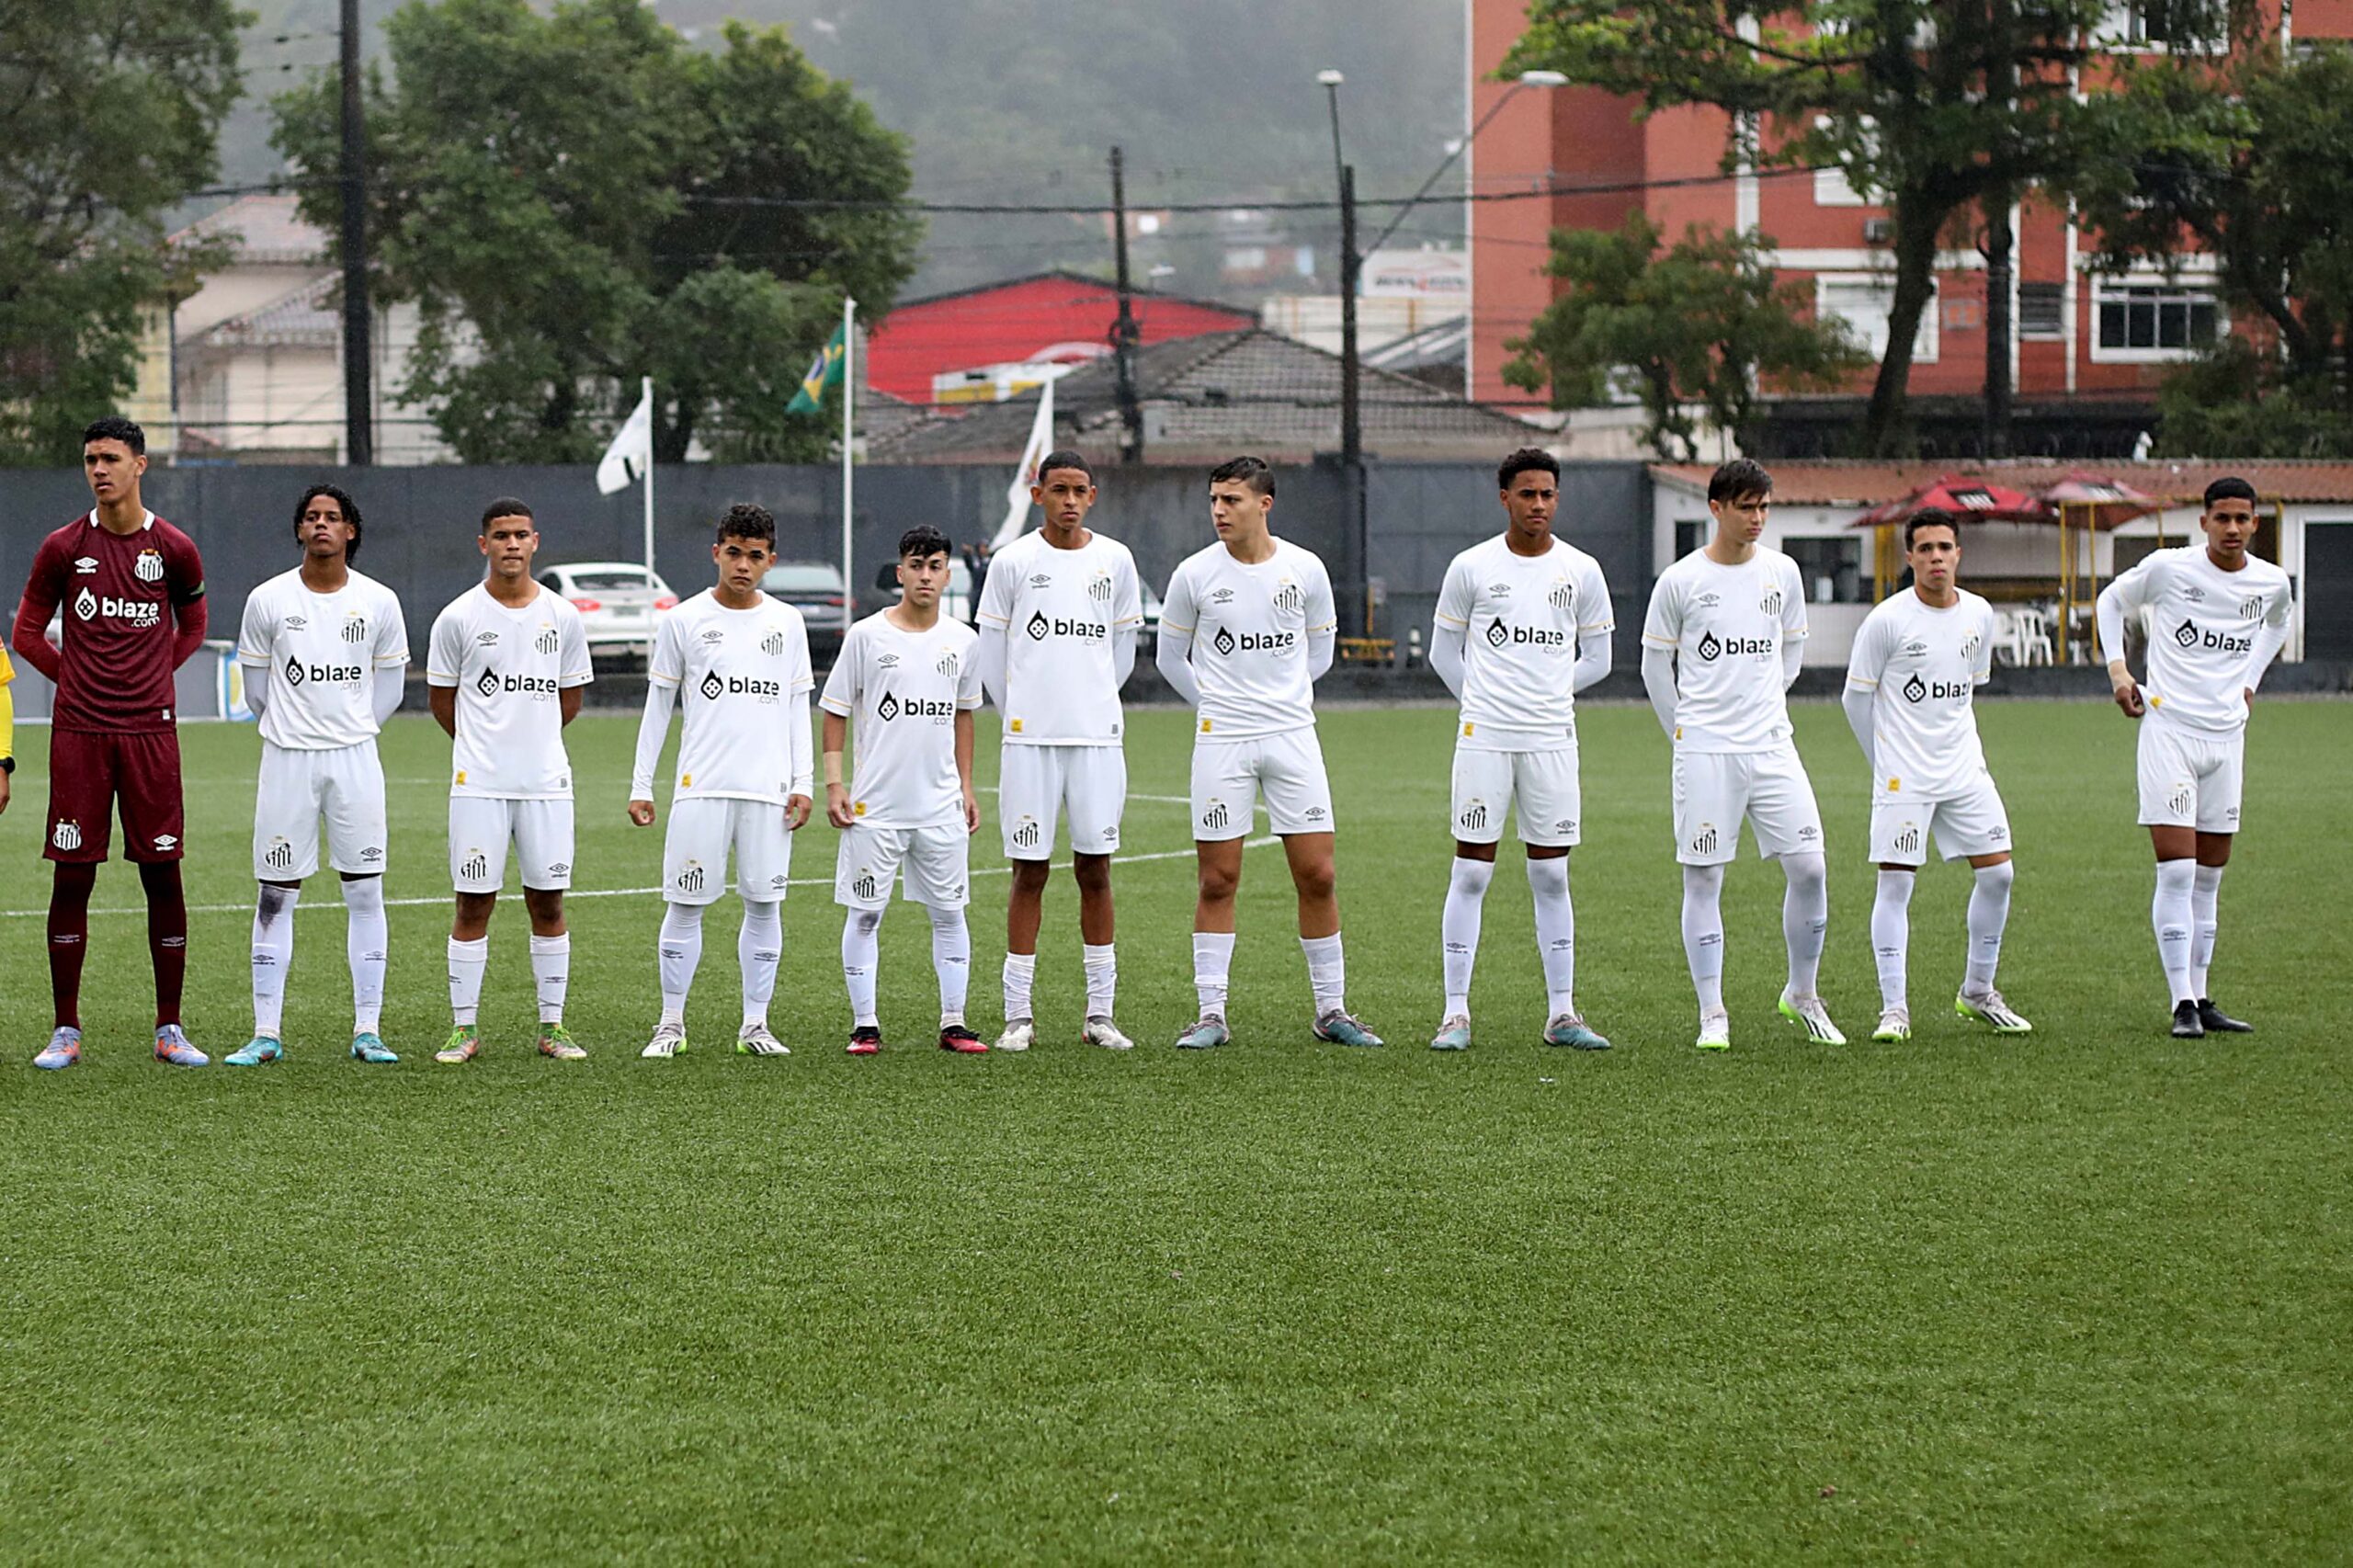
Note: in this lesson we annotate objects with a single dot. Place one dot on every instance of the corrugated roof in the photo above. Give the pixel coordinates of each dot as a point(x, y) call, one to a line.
point(305, 318)
point(1863, 484)
point(266, 229)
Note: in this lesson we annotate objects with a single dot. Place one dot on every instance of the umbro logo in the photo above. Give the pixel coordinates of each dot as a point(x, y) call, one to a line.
point(887, 661)
point(713, 634)
point(1042, 580)
point(2193, 593)
point(84, 564)
point(166, 842)
point(370, 856)
point(1223, 597)
point(1499, 590)
point(486, 639)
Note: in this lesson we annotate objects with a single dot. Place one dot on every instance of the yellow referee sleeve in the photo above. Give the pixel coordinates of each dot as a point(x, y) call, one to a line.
point(7, 708)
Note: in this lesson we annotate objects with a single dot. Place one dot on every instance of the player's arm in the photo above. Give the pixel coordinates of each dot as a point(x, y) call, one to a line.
point(391, 688)
point(190, 609)
point(1173, 655)
point(1323, 625)
point(800, 748)
point(2268, 644)
point(42, 590)
point(572, 687)
point(444, 661)
point(1662, 634)
point(391, 661)
point(7, 725)
point(1594, 636)
point(839, 701)
point(1793, 628)
point(964, 769)
point(2117, 602)
point(990, 656)
point(1866, 663)
point(443, 701)
point(256, 637)
point(1451, 627)
point(1127, 621)
point(652, 728)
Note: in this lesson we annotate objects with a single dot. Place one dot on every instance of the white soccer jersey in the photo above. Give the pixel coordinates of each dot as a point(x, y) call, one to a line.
point(743, 682)
point(1523, 616)
point(1250, 627)
point(1923, 665)
point(322, 652)
point(507, 666)
point(2206, 626)
point(901, 691)
point(1059, 609)
point(1727, 625)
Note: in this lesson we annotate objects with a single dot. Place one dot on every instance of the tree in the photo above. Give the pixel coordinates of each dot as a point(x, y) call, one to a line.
point(1940, 107)
point(575, 199)
point(1698, 326)
point(108, 116)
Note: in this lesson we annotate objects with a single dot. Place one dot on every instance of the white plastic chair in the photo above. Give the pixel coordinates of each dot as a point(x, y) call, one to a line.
point(2034, 638)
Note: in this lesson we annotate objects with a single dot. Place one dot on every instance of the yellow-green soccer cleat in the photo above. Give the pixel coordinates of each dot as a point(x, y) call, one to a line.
point(1894, 1027)
point(1988, 1008)
point(463, 1045)
point(556, 1041)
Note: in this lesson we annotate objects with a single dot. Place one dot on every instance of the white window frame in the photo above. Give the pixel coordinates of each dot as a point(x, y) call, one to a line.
point(1924, 344)
point(2184, 285)
point(2115, 29)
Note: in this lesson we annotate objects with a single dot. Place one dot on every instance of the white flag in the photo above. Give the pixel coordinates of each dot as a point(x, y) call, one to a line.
point(1016, 494)
point(632, 453)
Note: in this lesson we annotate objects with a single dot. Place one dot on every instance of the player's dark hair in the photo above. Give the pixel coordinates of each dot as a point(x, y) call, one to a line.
point(1252, 472)
point(1528, 460)
point(350, 515)
point(1739, 479)
point(504, 506)
point(748, 520)
point(922, 541)
point(115, 427)
point(1065, 459)
point(1930, 517)
point(2230, 487)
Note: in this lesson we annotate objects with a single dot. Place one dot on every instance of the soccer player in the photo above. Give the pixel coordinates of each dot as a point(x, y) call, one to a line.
point(7, 725)
point(909, 678)
point(1911, 682)
point(1058, 621)
point(2218, 617)
point(1721, 647)
point(504, 674)
point(738, 661)
point(1523, 624)
point(132, 590)
point(325, 651)
point(1248, 625)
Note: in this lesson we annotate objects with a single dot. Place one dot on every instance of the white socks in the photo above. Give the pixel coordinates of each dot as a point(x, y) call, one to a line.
point(1327, 972)
point(1466, 895)
point(2169, 912)
point(467, 962)
point(1892, 933)
point(1703, 933)
point(1556, 933)
point(367, 938)
point(861, 947)
point(680, 951)
point(1989, 912)
point(273, 955)
point(1020, 974)
point(758, 947)
point(550, 974)
point(1805, 916)
point(1102, 965)
point(951, 959)
point(2205, 896)
point(1212, 960)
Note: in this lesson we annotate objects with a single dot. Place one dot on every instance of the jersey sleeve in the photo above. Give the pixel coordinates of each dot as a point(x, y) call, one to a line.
point(840, 697)
point(391, 649)
point(45, 584)
point(996, 595)
point(257, 630)
point(183, 569)
point(1867, 660)
point(1455, 594)
point(1663, 626)
point(572, 646)
point(804, 678)
point(967, 676)
point(1126, 593)
point(1322, 614)
point(2136, 589)
point(1177, 610)
point(1594, 592)
point(445, 655)
point(668, 664)
point(2282, 603)
point(1793, 627)
point(1980, 667)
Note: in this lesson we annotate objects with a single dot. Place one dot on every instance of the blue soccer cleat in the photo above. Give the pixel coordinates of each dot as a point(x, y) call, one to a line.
point(1568, 1029)
point(63, 1049)
point(365, 1047)
point(260, 1049)
point(1341, 1030)
point(172, 1046)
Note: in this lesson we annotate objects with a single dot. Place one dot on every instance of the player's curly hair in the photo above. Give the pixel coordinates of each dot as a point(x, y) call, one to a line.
point(341, 498)
point(1528, 460)
point(115, 427)
point(748, 520)
point(1929, 518)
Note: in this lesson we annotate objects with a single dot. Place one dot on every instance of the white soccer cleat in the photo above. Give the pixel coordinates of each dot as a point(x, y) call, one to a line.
point(669, 1039)
point(1103, 1032)
point(1810, 1014)
point(1019, 1035)
point(755, 1039)
point(1987, 1008)
point(1894, 1027)
point(1715, 1031)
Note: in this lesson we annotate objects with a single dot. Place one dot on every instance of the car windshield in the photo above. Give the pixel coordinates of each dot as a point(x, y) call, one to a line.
point(609, 582)
point(796, 577)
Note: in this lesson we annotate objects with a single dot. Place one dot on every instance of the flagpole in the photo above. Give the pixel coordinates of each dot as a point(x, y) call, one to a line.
point(849, 398)
point(646, 392)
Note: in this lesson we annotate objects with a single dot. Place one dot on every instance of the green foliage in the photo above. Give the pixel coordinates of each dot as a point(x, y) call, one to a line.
point(109, 116)
point(1699, 326)
point(573, 200)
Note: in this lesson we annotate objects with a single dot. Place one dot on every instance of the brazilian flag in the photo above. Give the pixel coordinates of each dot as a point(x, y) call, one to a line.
point(824, 373)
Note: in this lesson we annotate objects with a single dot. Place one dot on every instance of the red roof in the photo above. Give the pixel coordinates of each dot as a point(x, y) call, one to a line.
point(1869, 484)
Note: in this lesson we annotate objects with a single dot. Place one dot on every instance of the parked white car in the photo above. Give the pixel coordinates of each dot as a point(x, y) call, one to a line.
point(616, 600)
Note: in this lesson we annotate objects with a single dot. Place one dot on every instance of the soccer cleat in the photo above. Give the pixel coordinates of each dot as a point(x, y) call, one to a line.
point(1102, 1031)
point(1715, 1031)
point(1894, 1026)
point(1454, 1034)
point(755, 1040)
point(63, 1049)
point(367, 1047)
point(2187, 1023)
point(1019, 1035)
point(2218, 1022)
point(172, 1046)
point(961, 1041)
point(262, 1047)
point(556, 1041)
point(1810, 1014)
point(1568, 1029)
point(1208, 1030)
point(669, 1039)
point(1341, 1030)
point(865, 1040)
point(462, 1045)
point(1988, 1007)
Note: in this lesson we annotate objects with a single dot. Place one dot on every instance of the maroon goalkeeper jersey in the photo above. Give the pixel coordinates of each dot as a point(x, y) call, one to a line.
point(119, 593)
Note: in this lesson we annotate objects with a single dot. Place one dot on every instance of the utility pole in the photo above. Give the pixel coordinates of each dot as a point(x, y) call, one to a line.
point(2001, 245)
point(1124, 331)
point(358, 393)
point(1351, 419)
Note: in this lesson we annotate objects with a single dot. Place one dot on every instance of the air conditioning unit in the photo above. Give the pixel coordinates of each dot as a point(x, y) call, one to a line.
point(1879, 231)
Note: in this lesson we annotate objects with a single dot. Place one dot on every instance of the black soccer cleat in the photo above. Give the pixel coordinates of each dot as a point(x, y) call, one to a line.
point(2186, 1024)
point(2218, 1022)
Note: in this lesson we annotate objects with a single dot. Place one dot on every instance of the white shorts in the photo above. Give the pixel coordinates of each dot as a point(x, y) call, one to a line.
point(703, 828)
point(1229, 776)
point(1542, 786)
point(1713, 791)
point(1037, 783)
point(2191, 777)
point(481, 826)
point(297, 790)
point(1974, 823)
point(936, 860)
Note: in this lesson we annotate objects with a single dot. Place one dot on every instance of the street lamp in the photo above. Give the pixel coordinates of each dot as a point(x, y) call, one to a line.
point(1456, 149)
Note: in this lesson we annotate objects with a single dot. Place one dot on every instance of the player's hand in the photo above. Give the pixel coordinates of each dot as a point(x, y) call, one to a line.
point(837, 810)
point(3, 783)
point(2128, 697)
point(796, 812)
point(642, 812)
point(971, 813)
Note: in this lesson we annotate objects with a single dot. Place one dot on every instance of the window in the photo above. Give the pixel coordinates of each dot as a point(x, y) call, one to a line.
point(2042, 311)
point(2166, 24)
point(2152, 321)
point(1833, 569)
point(1831, 185)
point(1690, 533)
point(1862, 303)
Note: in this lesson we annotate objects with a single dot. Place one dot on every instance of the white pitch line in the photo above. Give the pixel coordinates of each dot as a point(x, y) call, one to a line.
point(444, 898)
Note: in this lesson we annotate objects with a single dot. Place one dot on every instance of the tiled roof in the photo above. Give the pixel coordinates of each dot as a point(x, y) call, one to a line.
point(1869, 484)
point(306, 318)
point(266, 228)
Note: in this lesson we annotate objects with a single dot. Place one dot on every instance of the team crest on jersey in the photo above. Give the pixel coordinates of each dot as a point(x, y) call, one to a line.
point(67, 835)
point(947, 665)
point(1970, 643)
point(545, 641)
point(1098, 587)
point(1288, 596)
point(1025, 832)
point(149, 567)
point(1908, 841)
point(2250, 608)
point(1704, 841)
point(355, 629)
point(691, 876)
point(772, 645)
point(1474, 815)
point(1562, 597)
point(861, 887)
point(279, 856)
point(476, 867)
point(84, 564)
point(1771, 603)
point(1215, 816)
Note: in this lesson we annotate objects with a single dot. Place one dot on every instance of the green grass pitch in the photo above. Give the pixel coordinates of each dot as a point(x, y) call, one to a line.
point(2087, 1295)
